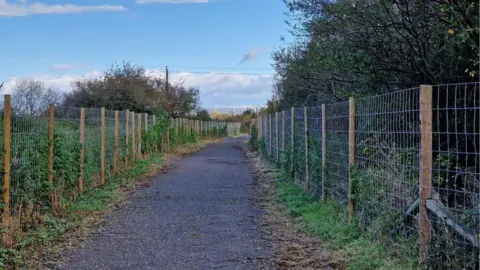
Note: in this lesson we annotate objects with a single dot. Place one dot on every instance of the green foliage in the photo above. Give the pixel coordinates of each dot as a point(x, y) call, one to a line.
point(328, 222)
point(30, 187)
point(254, 137)
point(128, 86)
point(203, 115)
point(342, 48)
point(9, 258)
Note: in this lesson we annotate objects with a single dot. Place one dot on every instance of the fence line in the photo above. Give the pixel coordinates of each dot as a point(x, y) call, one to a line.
point(403, 165)
point(64, 151)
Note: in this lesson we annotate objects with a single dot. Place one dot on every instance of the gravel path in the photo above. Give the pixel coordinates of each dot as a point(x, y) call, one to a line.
point(198, 215)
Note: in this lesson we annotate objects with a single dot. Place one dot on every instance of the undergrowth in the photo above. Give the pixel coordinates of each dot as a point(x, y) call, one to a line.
point(328, 222)
point(34, 225)
point(92, 202)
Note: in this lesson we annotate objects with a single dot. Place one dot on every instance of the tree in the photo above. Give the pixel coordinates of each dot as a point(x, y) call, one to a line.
point(31, 96)
point(367, 47)
point(122, 87)
point(203, 115)
point(128, 86)
point(176, 99)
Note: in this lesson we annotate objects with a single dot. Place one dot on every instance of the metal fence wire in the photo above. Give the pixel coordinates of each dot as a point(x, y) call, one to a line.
point(56, 153)
point(299, 148)
point(337, 167)
point(410, 161)
point(315, 149)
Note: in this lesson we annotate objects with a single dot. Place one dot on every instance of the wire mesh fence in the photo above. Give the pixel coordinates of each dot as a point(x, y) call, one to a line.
point(408, 160)
point(61, 152)
point(299, 146)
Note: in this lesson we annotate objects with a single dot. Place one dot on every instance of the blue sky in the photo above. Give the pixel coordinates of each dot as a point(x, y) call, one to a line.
point(54, 40)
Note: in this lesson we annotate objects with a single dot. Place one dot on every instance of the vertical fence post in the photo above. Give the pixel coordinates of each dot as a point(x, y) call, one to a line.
point(156, 145)
point(292, 157)
point(146, 122)
point(115, 145)
point(146, 128)
point(127, 115)
point(277, 139)
point(177, 126)
point(283, 136)
point(139, 135)
point(258, 125)
point(425, 177)
point(134, 143)
point(351, 157)
point(51, 123)
point(270, 135)
point(82, 149)
point(102, 147)
point(261, 126)
point(168, 135)
point(6, 168)
point(324, 153)
point(307, 150)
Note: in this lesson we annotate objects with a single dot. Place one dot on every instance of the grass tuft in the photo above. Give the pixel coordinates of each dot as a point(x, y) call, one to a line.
point(329, 222)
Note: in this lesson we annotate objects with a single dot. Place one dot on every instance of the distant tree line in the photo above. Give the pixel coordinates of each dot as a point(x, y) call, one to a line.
point(122, 86)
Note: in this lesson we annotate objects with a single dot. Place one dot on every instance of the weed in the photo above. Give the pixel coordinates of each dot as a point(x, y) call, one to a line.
point(328, 221)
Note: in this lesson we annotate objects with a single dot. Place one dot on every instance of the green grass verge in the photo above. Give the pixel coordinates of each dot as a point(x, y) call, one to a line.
point(93, 201)
point(328, 222)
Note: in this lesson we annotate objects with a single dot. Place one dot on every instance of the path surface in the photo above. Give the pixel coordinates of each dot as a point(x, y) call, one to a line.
point(196, 216)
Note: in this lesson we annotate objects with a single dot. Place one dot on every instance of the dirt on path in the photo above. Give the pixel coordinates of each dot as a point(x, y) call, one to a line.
point(293, 248)
point(206, 212)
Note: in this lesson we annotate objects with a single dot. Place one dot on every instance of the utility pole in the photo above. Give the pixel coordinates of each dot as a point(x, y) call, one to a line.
point(166, 77)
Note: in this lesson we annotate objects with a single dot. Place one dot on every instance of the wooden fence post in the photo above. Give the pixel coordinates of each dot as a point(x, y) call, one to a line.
point(6, 168)
point(292, 121)
point(115, 145)
point(270, 135)
point(82, 149)
point(146, 122)
point(51, 123)
point(154, 123)
point(259, 125)
point(324, 152)
point(139, 135)
point(146, 128)
point(307, 150)
point(351, 158)
point(127, 129)
point(168, 135)
point(277, 139)
point(283, 135)
point(177, 126)
point(102, 147)
point(134, 143)
point(425, 177)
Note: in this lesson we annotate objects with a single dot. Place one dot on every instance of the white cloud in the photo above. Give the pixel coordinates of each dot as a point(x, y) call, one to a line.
point(22, 8)
point(65, 67)
point(216, 89)
point(253, 53)
point(172, 1)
